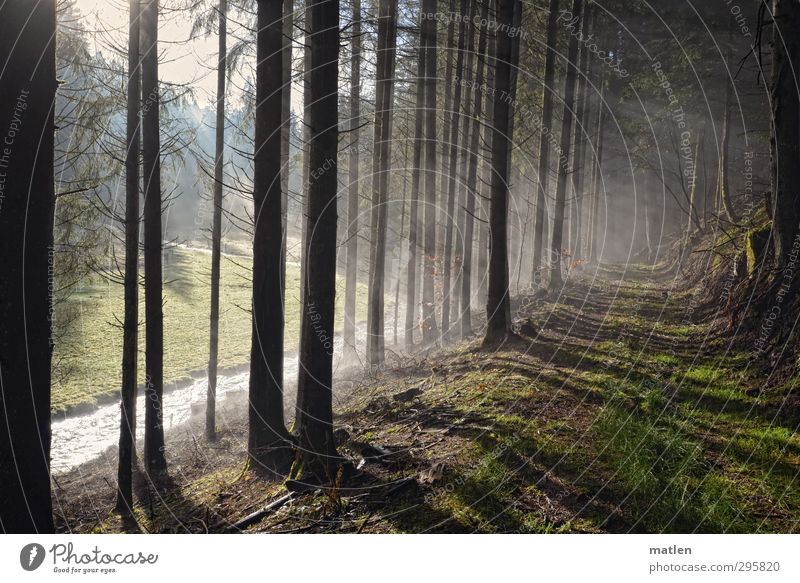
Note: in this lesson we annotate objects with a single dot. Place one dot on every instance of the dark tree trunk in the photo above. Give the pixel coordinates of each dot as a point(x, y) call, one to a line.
point(692, 210)
point(706, 193)
point(589, 154)
point(648, 245)
point(486, 179)
point(387, 33)
point(28, 79)
point(471, 190)
point(498, 325)
point(400, 245)
point(581, 134)
point(286, 129)
point(306, 126)
point(411, 285)
point(153, 279)
point(351, 282)
point(724, 161)
point(597, 170)
point(512, 100)
point(448, 50)
point(526, 226)
point(429, 326)
point(514, 75)
point(464, 187)
point(130, 332)
point(306, 139)
point(455, 121)
point(216, 228)
point(544, 143)
point(317, 453)
point(267, 436)
point(556, 278)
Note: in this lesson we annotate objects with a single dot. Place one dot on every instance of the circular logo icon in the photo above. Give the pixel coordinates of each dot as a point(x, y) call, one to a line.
point(31, 556)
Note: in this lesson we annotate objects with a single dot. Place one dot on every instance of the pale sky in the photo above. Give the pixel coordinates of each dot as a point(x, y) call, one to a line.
point(182, 62)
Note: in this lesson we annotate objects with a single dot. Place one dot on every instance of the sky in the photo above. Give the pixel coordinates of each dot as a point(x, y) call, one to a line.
point(183, 61)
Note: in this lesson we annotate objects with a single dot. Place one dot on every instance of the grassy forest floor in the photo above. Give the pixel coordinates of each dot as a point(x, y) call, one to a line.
point(94, 313)
point(623, 410)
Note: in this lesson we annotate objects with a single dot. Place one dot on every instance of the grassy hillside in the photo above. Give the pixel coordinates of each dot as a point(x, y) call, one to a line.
point(87, 359)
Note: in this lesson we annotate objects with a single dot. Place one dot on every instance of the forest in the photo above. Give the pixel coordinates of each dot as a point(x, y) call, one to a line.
point(399, 266)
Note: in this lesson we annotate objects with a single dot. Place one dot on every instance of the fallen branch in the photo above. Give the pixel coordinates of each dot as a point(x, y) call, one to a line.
point(259, 515)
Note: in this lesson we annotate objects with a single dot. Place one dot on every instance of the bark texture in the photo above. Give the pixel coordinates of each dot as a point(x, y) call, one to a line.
point(498, 325)
point(28, 79)
point(267, 436)
point(154, 459)
point(216, 226)
point(130, 328)
point(317, 449)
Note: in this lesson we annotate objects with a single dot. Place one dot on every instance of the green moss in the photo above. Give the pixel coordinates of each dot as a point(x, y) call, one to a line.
point(665, 359)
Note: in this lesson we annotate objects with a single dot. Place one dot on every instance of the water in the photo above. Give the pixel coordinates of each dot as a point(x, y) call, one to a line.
point(82, 438)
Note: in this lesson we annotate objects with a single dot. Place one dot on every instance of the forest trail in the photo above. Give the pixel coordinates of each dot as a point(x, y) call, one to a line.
point(625, 413)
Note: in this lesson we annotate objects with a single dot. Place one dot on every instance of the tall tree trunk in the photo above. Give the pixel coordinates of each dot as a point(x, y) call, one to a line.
point(486, 179)
point(286, 129)
point(315, 411)
point(498, 325)
point(512, 96)
point(399, 246)
point(154, 459)
point(387, 31)
point(724, 161)
point(706, 193)
point(349, 336)
point(447, 121)
point(429, 326)
point(130, 332)
point(472, 175)
point(646, 215)
point(307, 74)
point(526, 225)
point(785, 129)
point(413, 221)
point(544, 141)
point(581, 131)
point(216, 228)
point(455, 120)
point(556, 279)
point(464, 189)
point(483, 225)
point(513, 76)
point(267, 437)
point(692, 210)
point(597, 169)
point(589, 156)
point(28, 79)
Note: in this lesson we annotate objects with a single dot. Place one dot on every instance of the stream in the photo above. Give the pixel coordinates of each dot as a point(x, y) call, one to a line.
point(81, 438)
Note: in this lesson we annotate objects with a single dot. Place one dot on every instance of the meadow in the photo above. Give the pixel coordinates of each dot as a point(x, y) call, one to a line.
point(95, 314)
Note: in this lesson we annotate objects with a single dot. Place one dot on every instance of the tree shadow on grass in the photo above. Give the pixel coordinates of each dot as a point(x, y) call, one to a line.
point(166, 509)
